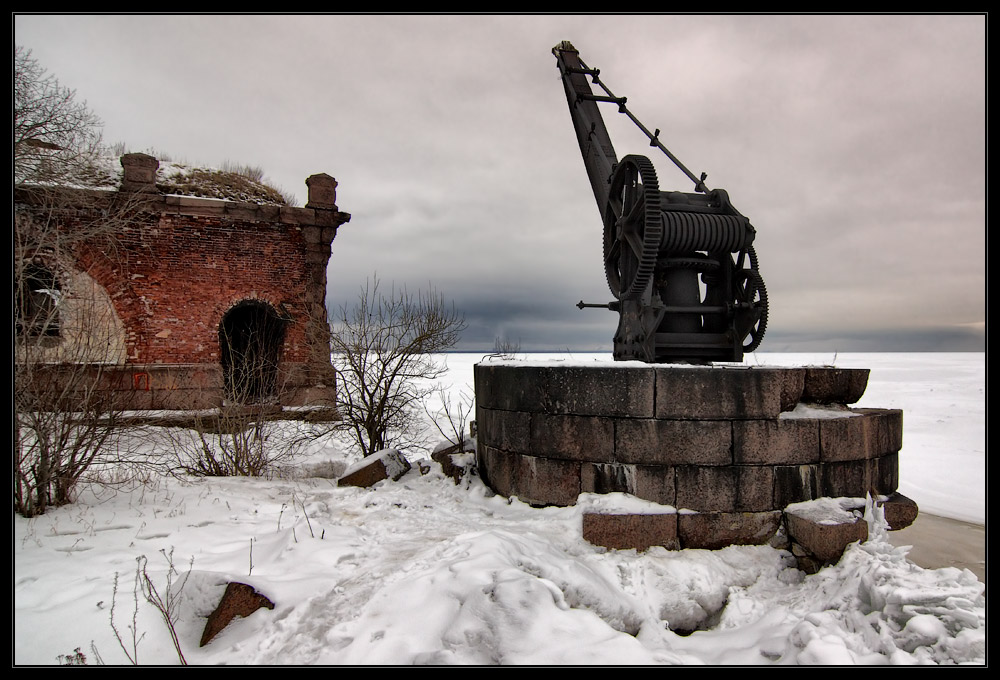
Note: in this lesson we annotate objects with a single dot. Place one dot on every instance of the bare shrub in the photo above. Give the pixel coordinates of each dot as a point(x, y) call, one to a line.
point(239, 441)
point(383, 349)
point(135, 637)
point(234, 445)
point(451, 417)
point(247, 435)
point(69, 401)
point(77, 658)
point(63, 429)
point(167, 604)
point(505, 348)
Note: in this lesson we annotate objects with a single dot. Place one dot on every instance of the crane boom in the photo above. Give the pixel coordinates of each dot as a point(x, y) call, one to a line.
point(595, 143)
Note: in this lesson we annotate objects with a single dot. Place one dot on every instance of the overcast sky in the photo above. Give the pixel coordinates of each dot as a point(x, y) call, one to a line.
point(855, 145)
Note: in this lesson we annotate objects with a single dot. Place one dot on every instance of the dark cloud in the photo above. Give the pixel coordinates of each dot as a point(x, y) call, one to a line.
point(856, 145)
point(887, 340)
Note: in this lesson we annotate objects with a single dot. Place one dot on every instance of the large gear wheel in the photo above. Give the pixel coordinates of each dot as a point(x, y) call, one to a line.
point(751, 290)
point(633, 227)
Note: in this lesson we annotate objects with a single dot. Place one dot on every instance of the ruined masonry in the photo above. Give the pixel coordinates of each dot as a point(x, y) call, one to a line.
point(730, 446)
point(196, 286)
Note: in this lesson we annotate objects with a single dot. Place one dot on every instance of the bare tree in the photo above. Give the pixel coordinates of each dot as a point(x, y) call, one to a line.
point(67, 335)
point(384, 348)
point(57, 139)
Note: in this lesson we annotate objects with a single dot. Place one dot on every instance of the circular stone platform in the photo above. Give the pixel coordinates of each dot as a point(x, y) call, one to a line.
point(733, 444)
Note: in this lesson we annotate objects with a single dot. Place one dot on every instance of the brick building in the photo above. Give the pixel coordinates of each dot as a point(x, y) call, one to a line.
point(193, 302)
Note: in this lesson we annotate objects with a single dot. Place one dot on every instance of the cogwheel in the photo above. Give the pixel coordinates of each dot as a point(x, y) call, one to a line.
point(756, 294)
point(633, 227)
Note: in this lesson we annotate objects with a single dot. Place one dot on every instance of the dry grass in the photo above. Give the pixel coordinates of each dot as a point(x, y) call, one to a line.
point(225, 184)
point(232, 181)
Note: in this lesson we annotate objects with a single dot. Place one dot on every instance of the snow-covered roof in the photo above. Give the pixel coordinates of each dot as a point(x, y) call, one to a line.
point(241, 184)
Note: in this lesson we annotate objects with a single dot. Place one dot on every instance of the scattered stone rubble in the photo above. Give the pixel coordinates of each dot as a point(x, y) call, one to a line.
point(239, 599)
point(457, 460)
point(384, 464)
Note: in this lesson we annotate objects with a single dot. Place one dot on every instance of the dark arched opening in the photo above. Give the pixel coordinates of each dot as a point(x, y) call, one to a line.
point(250, 339)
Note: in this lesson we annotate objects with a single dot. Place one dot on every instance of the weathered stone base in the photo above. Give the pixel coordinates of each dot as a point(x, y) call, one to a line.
point(900, 511)
point(628, 531)
point(737, 478)
point(713, 530)
point(181, 387)
point(735, 445)
point(824, 542)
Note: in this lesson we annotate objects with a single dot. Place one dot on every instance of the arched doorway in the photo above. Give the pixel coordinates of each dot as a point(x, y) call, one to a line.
point(251, 336)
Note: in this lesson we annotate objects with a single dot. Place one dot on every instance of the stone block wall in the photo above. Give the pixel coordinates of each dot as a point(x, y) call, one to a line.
point(720, 440)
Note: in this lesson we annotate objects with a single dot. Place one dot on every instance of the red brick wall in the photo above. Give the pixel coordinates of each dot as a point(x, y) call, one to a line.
point(177, 265)
point(174, 277)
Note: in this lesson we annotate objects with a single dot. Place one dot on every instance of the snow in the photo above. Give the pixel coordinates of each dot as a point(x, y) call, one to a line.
point(423, 571)
point(828, 510)
point(814, 411)
point(618, 503)
point(104, 173)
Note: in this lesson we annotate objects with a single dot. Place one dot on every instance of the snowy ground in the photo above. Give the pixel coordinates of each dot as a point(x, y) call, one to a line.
point(425, 572)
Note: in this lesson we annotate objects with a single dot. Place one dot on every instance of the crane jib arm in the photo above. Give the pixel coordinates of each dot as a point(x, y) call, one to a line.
point(595, 143)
